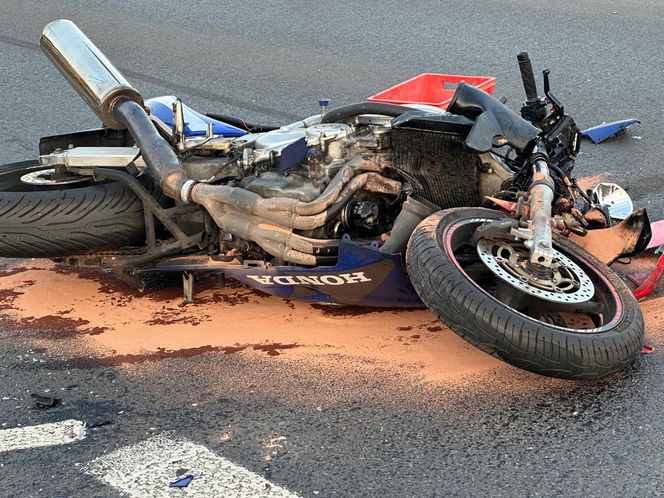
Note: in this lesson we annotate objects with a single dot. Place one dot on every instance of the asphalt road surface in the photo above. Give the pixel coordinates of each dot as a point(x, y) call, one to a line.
point(395, 411)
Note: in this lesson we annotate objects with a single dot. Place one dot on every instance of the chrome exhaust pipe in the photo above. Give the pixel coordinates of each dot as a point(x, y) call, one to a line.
point(88, 70)
point(113, 99)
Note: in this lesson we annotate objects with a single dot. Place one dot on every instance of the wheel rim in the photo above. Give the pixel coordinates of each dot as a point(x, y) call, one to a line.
point(10, 180)
point(601, 312)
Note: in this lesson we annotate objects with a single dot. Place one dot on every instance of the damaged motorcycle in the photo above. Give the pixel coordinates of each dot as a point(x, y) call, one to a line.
point(472, 211)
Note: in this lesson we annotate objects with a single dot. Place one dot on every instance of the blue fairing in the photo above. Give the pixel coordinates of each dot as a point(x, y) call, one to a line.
point(195, 123)
point(363, 276)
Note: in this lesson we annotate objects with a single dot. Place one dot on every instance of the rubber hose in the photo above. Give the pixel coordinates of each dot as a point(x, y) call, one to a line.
point(241, 123)
point(352, 110)
point(413, 211)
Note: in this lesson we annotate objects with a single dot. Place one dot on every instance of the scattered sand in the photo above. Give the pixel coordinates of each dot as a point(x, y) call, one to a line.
point(121, 326)
point(586, 182)
point(97, 319)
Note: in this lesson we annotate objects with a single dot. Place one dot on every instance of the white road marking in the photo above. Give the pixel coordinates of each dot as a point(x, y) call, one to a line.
point(145, 469)
point(35, 436)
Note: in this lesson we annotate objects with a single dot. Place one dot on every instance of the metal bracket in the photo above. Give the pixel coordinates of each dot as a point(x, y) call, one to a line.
point(187, 288)
point(522, 233)
point(89, 157)
point(251, 263)
point(132, 280)
point(152, 210)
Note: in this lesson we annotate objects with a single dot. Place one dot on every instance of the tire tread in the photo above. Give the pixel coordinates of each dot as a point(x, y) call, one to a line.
point(55, 223)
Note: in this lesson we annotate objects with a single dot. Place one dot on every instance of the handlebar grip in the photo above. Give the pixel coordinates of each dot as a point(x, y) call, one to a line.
point(527, 76)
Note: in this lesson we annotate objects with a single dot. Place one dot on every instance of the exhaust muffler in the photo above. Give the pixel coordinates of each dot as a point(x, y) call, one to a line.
point(113, 99)
point(88, 70)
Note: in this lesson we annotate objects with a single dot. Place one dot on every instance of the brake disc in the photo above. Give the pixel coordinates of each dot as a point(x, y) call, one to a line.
point(49, 177)
point(563, 282)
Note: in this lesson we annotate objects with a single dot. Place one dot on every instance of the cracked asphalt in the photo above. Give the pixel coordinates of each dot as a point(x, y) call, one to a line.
point(354, 425)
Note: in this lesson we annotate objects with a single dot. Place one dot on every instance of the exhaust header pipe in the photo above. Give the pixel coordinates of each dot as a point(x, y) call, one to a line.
point(113, 99)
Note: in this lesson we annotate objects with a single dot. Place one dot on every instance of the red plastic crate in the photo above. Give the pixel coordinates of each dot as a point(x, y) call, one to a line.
point(431, 89)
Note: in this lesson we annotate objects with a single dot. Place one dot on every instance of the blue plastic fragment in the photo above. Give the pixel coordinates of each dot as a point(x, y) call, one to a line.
point(293, 154)
point(181, 483)
point(195, 123)
point(600, 133)
point(323, 102)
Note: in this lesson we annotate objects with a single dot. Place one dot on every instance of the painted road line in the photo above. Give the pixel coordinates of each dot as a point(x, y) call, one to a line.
point(145, 469)
point(35, 436)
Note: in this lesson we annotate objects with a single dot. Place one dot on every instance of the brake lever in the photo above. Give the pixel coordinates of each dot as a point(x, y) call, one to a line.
point(560, 109)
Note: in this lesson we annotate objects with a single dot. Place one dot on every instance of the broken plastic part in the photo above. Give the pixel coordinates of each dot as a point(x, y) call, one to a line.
point(601, 132)
point(651, 282)
point(98, 422)
point(657, 238)
point(628, 238)
point(182, 482)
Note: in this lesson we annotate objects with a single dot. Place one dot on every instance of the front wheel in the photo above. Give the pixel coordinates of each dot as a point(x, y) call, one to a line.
point(567, 337)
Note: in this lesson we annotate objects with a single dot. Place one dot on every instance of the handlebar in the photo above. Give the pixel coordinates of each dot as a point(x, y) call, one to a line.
point(527, 76)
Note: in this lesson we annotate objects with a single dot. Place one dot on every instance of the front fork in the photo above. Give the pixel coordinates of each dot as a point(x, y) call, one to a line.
point(537, 235)
point(539, 213)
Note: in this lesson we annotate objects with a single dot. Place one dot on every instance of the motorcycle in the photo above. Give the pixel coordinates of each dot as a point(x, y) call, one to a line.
point(472, 211)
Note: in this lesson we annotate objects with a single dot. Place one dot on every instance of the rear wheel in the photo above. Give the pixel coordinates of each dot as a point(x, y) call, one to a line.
point(586, 327)
point(67, 219)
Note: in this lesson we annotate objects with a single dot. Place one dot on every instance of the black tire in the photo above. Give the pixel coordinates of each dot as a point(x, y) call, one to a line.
point(76, 219)
point(551, 349)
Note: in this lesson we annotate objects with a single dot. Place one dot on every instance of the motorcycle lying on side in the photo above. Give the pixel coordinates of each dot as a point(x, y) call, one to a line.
point(472, 211)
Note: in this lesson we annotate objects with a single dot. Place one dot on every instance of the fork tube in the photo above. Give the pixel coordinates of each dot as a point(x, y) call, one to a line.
point(541, 199)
